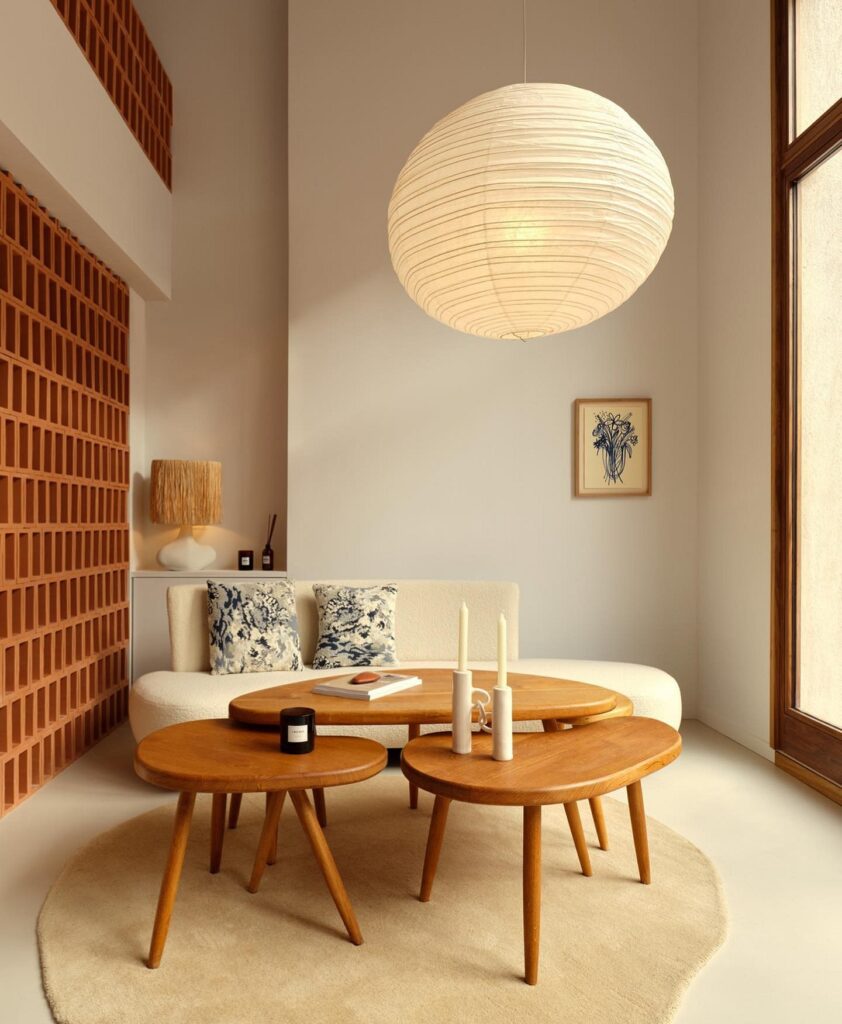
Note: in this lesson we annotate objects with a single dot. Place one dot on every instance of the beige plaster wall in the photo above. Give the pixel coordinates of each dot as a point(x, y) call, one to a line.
point(734, 369)
point(216, 360)
point(64, 140)
point(418, 451)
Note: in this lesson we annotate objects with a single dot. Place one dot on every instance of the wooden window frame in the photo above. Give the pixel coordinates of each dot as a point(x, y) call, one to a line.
point(804, 746)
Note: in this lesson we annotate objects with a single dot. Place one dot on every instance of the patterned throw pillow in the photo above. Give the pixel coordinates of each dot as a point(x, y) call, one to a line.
point(253, 627)
point(356, 625)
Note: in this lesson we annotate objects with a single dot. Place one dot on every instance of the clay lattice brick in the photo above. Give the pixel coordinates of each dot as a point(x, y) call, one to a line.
point(64, 478)
point(112, 37)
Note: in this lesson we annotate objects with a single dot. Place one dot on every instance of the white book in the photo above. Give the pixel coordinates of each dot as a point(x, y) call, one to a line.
point(388, 682)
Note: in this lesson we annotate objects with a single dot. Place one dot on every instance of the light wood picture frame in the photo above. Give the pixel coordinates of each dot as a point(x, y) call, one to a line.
point(612, 447)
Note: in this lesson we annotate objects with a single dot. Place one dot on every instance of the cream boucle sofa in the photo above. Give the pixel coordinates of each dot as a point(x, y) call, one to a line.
point(426, 627)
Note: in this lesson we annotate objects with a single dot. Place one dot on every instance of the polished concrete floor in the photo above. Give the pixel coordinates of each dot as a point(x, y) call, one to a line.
point(777, 844)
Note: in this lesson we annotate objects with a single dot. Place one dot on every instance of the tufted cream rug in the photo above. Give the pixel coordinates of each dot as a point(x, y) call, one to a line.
point(612, 950)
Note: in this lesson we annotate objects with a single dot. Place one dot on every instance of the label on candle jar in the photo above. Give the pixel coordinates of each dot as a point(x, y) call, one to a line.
point(296, 734)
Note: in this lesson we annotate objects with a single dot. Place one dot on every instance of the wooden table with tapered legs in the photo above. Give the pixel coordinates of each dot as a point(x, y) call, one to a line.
point(554, 767)
point(215, 756)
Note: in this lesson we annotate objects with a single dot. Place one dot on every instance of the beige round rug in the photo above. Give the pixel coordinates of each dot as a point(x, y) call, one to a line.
point(612, 950)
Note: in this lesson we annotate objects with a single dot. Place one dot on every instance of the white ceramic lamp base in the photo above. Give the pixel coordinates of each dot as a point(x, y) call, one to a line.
point(186, 552)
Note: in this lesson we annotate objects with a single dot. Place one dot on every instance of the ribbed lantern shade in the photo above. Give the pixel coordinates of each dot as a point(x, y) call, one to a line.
point(529, 210)
point(186, 493)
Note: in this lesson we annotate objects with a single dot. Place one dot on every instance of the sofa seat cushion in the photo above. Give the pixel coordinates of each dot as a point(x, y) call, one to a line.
point(164, 698)
point(654, 693)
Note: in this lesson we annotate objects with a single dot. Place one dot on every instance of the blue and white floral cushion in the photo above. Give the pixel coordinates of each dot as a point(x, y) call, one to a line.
point(253, 627)
point(356, 625)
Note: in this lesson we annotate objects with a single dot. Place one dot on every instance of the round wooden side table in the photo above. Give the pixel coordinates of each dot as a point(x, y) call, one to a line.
point(547, 768)
point(214, 756)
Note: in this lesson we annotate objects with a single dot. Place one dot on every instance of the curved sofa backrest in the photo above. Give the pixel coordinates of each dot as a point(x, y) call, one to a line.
point(426, 619)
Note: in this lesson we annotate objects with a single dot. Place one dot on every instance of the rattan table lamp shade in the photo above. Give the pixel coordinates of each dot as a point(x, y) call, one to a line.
point(528, 211)
point(186, 494)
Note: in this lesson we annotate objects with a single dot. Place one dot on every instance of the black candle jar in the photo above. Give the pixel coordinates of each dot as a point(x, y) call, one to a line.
point(298, 730)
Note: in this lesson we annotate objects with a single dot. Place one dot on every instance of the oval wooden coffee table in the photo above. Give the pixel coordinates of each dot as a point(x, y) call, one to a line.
point(543, 698)
point(214, 756)
point(535, 698)
point(555, 702)
point(547, 768)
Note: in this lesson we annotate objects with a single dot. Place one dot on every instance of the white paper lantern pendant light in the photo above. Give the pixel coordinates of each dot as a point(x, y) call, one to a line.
point(528, 211)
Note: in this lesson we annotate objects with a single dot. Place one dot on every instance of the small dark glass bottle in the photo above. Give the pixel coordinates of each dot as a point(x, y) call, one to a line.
point(267, 559)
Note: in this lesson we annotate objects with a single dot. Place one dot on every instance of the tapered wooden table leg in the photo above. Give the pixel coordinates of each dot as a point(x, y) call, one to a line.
point(321, 807)
point(574, 819)
point(310, 824)
point(413, 731)
point(531, 891)
point(435, 838)
point(638, 824)
point(172, 873)
point(272, 855)
point(234, 811)
point(217, 831)
point(575, 822)
point(598, 815)
point(268, 838)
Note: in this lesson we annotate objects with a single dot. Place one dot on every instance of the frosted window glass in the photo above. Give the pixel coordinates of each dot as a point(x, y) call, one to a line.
point(819, 299)
point(818, 59)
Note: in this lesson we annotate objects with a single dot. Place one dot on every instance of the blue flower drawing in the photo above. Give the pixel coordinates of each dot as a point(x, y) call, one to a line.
point(615, 439)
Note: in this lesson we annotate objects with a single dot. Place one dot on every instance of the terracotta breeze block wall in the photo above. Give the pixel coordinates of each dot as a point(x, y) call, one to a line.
point(64, 477)
point(112, 37)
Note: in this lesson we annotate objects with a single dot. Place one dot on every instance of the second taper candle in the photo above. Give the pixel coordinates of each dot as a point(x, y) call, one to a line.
point(502, 652)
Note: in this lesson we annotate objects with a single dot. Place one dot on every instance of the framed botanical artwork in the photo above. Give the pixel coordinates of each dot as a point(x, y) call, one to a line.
point(613, 453)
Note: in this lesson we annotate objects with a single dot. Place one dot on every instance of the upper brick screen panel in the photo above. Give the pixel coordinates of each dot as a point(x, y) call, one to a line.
point(112, 37)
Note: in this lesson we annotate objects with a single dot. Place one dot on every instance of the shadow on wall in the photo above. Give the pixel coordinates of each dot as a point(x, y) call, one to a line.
point(147, 537)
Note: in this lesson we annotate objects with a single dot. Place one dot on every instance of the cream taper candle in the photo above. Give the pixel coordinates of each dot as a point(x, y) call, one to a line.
point(502, 652)
point(463, 638)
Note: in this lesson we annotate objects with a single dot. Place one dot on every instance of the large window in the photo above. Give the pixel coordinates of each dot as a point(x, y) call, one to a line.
point(807, 427)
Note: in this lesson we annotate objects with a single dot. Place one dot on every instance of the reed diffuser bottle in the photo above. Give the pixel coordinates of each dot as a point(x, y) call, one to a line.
point(267, 559)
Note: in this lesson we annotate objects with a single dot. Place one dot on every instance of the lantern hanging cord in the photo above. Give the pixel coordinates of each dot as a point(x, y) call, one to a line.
point(523, 46)
point(523, 37)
